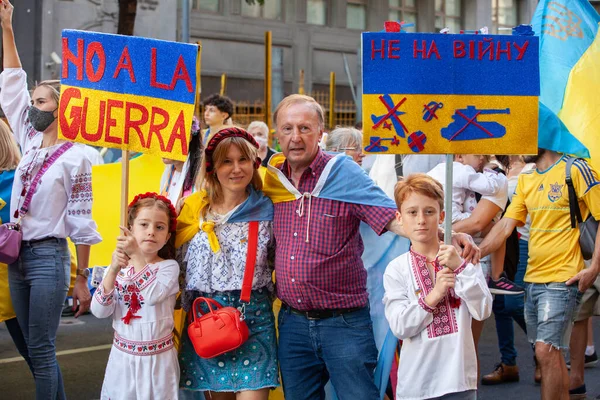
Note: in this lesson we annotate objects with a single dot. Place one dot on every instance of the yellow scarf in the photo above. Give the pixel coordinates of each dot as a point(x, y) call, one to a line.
point(188, 221)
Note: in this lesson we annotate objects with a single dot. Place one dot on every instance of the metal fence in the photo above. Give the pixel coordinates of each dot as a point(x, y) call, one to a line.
point(248, 111)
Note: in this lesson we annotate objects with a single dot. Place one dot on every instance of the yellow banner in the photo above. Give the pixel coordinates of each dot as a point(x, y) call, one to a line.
point(145, 172)
point(450, 124)
point(136, 123)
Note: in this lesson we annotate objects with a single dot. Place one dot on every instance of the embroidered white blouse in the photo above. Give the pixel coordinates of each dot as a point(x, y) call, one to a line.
point(62, 204)
point(438, 354)
point(143, 362)
point(224, 271)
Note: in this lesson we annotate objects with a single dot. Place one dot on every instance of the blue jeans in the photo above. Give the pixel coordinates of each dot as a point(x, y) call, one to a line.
point(39, 281)
point(12, 325)
point(550, 311)
point(507, 308)
point(340, 348)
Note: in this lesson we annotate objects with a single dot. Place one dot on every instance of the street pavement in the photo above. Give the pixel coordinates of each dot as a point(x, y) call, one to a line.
point(83, 346)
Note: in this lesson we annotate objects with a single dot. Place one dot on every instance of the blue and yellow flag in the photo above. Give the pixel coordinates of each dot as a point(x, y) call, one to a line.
point(555, 136)
point(6, 179)
point(342, 179)
point(566, 29)
point(256, 207)
point(580, 111)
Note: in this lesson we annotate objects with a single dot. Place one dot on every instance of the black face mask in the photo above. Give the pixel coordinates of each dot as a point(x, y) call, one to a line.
point(40, 120)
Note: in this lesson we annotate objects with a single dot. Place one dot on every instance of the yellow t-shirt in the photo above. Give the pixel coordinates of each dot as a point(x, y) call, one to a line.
point(554, 252)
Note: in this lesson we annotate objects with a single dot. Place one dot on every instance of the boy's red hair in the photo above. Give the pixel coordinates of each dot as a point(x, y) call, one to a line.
point(422, 184)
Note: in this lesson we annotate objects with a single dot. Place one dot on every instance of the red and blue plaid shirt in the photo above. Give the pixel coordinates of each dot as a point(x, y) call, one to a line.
point(327, 271)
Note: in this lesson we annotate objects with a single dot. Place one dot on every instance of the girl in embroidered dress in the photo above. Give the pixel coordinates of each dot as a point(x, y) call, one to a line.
point(138, 291)
point(431, 295)
point(52, 199)
point(214, 225)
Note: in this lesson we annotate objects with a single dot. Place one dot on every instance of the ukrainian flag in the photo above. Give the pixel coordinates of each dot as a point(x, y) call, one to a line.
point(569, 73)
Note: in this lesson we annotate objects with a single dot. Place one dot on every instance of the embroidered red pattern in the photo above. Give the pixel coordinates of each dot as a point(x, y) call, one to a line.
point(444, 316)
point(81, 188)
point(102, 298)
point(143, 348)
point(128, 292)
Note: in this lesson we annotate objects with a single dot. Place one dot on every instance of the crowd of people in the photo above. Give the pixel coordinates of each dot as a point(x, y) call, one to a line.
point(294, 216)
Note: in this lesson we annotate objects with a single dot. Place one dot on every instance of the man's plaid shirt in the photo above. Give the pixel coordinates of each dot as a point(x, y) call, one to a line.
point(325, 272)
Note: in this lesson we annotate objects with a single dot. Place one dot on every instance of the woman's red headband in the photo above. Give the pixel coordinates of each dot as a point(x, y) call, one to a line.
point(219, 137)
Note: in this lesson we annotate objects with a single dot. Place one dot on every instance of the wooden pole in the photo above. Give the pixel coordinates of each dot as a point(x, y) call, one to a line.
point(331, 100)
point(198, 78)
point(268, 46)
point(223, 84)
point(124, 186)
point(301, 82)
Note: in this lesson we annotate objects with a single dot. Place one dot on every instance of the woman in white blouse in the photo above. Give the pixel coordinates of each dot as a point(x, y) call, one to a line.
point(60, 206)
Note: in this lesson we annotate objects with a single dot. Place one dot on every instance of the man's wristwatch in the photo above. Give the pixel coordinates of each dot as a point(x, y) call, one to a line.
point(83, 272)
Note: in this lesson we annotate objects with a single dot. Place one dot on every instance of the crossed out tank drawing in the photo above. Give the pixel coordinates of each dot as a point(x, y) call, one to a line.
point(466, 126)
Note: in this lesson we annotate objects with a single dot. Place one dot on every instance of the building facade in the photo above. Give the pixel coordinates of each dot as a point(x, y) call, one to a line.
point(313, 35)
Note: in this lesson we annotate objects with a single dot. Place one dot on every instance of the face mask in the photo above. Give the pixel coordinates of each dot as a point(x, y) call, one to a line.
point(40, 120)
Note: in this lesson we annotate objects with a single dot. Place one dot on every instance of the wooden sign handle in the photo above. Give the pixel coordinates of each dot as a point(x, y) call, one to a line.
point(124, 186)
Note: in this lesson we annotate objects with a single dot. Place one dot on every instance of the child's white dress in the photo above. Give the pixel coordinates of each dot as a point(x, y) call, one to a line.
point(438, 354)
point(143, 362)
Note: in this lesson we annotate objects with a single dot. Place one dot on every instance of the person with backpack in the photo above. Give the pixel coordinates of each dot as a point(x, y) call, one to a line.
point(555, 276)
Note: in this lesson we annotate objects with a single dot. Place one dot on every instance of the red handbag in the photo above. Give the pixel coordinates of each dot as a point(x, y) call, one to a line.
point(223, 329)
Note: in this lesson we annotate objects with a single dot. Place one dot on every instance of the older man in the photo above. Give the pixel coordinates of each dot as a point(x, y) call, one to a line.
point(325, 331)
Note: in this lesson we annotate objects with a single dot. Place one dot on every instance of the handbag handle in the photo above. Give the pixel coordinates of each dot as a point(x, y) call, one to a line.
point(197, 310)
point(250, 261)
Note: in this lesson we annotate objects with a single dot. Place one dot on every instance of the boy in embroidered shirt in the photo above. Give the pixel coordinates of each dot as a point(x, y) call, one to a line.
point(431, 295)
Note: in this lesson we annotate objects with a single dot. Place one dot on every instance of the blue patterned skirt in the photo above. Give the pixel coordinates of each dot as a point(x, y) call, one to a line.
point(251, 366)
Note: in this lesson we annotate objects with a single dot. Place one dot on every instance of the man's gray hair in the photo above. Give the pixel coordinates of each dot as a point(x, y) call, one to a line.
point(260, 125)
point(343, 137)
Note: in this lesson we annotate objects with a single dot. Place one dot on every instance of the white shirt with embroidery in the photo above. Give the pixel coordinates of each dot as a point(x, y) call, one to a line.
point(438, 354)
point(224, 271)
point(143, 362)
point(61, 206)
point(466, 182)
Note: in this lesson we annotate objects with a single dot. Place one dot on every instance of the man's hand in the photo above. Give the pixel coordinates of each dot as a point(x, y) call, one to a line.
point(81, 294)
point(585, 277)
point(466, 247)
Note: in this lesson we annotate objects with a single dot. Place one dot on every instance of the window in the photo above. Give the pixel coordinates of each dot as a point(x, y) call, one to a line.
point(206, 5)
point(270, 10)
point(447, 15)
point(356, 14)
point(504, 15)
point(316, 12)
point(403, 10)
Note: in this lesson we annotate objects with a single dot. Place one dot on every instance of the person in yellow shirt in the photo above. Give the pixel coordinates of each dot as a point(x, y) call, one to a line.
point(555, 275)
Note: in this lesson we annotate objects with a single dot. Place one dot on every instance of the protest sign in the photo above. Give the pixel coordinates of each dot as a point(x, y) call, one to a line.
point(445, 94)
point(127, 92)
